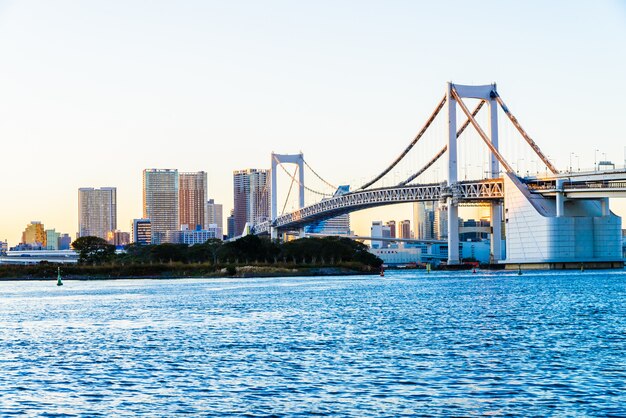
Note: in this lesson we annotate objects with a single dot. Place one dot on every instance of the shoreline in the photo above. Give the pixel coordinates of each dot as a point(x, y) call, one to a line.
point(246, 271)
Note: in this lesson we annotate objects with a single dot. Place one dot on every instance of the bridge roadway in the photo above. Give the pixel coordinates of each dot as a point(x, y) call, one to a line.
point(581, 185)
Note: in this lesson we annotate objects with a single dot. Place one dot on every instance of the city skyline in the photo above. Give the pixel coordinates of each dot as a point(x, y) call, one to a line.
point(315, 86)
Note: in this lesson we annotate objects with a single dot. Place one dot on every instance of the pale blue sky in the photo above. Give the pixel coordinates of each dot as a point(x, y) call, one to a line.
point(92, 92)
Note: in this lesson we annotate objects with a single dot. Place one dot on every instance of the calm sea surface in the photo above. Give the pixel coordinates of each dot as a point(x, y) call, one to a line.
point(410, 344)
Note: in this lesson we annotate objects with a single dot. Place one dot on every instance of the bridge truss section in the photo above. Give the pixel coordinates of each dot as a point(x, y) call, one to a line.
point(463, 192)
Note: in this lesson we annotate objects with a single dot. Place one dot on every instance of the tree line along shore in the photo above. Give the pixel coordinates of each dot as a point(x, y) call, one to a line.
point(250, 256)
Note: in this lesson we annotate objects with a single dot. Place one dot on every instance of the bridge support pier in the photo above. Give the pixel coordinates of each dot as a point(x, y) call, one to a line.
point(496, 232)
point(496, 207)
point(453, 209)
point(605, 206)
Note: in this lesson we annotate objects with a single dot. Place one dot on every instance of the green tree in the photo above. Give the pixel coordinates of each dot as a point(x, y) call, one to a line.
point(93, 250)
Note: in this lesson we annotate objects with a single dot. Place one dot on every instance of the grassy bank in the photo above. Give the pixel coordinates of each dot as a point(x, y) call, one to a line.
point(179, 270)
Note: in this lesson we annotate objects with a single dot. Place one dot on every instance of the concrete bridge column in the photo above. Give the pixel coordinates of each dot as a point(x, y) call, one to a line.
point(605, 206)
point(496, 207)
point(453, 210)
point(560, 198)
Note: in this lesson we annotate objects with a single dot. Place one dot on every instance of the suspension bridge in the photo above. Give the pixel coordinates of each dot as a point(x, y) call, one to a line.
point(557, 217)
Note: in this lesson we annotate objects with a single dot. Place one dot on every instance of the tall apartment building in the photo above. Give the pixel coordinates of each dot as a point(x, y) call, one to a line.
point(192, 197)
point(215, 216)
point(440, 224)
point(392, 228)
point(161, 202)
point(251, 197)
point(423, 220)
point(34, 234)
point(405, 229)
point(97, 211)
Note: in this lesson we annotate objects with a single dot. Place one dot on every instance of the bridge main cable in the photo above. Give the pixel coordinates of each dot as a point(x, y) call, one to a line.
point(407, 149)
point(527, 137)
point(442, 150)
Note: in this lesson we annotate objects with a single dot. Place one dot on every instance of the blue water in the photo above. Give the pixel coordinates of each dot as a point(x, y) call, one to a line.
point(551, 343)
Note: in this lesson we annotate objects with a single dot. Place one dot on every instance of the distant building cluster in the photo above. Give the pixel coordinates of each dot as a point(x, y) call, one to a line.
point(176, 209)
point(36, 237)
point(430, 222)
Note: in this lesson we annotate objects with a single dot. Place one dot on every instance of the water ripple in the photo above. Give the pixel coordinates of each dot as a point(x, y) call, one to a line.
point(550, 343)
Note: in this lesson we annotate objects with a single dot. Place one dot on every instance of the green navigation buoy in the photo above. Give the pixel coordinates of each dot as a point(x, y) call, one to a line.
point(582, 267)
point(519, 270)
point(59, 281)
point(427, 267)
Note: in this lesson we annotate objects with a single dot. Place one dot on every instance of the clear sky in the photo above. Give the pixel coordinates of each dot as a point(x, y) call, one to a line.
point(93, 92)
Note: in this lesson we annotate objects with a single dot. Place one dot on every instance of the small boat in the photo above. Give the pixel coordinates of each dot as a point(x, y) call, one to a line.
point(59, 281)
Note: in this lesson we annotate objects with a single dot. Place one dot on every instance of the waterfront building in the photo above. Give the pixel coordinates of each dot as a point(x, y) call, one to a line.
point(52, 239)
point(214, 216)
point(398, 255)
point(65, 242)
point(192, 196)
point(142, 232)
point(405, 229)
point(118, 238)
point(161, 202)
point(97, 211)
point(251, 197)
point(339, 225)
point(230, 224)
point(423, 220)
point(24, 254)
point(4, 247)
point(392, 228)
point(34, 235)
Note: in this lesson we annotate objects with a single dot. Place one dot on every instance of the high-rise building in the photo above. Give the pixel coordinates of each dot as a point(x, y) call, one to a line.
point(34, 234)
point(97, 211)
point(252, 197)
point(405, 229)
point(230, 225)
point(192, 196)
point(160, 201)
point(423, 220)
point(382, 231)
point(214, 216)
point(142, 232)
point(4, 247)
point(440, 224)
point(52, 239)
point(392, 228)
